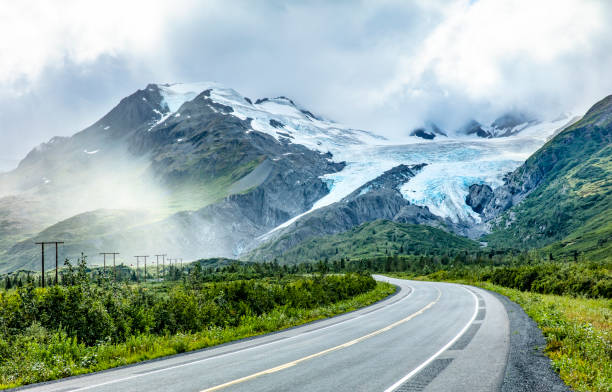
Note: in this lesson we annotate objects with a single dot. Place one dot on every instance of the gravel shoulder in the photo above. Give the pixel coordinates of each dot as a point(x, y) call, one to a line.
point(528, 369)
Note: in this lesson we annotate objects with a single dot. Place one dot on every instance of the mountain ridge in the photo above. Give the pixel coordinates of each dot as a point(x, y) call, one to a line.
point(220, 173)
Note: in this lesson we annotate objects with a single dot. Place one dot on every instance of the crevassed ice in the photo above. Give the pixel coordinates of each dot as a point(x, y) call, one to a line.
point(453, 164)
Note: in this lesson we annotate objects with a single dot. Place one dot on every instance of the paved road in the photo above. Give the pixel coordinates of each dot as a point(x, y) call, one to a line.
point(429, 336)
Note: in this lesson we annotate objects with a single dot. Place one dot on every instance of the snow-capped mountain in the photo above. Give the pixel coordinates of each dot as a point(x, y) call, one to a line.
point(278, 117)
point(200, 170)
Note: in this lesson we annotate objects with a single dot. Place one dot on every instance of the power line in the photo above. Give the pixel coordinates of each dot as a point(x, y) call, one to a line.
point(114, 271)
point(42, 248)
point(157, 262)
point(137, 264)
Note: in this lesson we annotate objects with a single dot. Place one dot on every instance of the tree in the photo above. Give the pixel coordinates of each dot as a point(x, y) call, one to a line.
point(68, 277)
point(81, 276)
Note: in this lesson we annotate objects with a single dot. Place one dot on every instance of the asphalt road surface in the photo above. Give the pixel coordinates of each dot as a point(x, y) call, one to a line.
point(427, 337)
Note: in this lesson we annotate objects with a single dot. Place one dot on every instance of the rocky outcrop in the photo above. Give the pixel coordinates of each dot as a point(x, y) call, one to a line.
point(428, 132)
point(377, 199)
point(473, 127)
point(552, 161)
point(423, 134)
point(392, 180)
point(478, 197)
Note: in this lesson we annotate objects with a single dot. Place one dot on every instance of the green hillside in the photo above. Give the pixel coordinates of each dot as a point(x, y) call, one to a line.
point(570, 211)
point(376, 239)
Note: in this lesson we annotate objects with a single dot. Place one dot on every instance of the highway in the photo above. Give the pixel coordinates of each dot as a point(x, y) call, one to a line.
point(427, 337)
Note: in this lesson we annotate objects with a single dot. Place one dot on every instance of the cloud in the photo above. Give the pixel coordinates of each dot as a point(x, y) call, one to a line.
point(42, 35)
point(502, 54)
point(380, 65)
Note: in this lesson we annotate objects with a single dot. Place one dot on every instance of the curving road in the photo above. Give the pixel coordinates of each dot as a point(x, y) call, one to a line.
point(428, 337)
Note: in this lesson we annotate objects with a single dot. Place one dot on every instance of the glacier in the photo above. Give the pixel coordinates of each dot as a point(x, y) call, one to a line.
point(453, 163)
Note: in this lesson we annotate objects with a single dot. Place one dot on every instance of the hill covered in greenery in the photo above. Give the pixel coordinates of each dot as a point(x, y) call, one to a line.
point(569, 210)
point(373, 239)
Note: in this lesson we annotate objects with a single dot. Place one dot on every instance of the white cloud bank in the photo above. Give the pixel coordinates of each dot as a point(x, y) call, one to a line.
point(383, 65)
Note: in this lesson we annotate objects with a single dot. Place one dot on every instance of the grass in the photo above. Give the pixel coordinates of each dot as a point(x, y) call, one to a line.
point(578, 332)
point(149, 346)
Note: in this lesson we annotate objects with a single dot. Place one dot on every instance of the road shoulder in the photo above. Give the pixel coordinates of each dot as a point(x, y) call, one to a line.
point(528, 369)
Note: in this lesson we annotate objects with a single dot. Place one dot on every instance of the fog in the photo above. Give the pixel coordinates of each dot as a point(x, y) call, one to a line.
point(103, 201)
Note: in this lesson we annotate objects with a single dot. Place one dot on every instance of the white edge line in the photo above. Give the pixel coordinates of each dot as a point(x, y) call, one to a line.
point(237, 351)
point(436, 355)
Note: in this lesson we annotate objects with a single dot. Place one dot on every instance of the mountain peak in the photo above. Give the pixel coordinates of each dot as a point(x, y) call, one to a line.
point(428, 131)
point(601, 112)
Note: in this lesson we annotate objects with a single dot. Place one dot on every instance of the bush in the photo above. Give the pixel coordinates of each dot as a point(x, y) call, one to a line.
point(59, 331)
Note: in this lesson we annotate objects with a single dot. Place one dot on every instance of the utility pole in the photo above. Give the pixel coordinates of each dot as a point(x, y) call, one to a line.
point(137, 260)
point(42, 262)
point(56, 266)
point(145, 264)
point(114, 270)
point(164, 264)
point(157, 262)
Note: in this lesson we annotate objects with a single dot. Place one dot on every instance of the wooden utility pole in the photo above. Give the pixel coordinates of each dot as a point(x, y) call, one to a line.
point(114, 270)
point(157, 262)
point(42, 262)
point(137, 260)
point(145, 264)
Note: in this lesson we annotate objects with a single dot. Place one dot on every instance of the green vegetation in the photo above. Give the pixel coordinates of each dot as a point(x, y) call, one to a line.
point(569, 211)
point(380, 238)
point(578, 333)
point(592, 280)
point(81, 326)
point(195, 194)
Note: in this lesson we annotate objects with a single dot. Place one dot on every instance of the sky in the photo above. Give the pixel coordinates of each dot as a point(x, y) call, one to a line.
point(385, 65)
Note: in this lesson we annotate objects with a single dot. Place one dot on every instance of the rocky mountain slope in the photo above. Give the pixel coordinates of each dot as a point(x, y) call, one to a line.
point(377, 199)
point(509, 124)
point(561, 196)
point(191, 170)
point(198, 170)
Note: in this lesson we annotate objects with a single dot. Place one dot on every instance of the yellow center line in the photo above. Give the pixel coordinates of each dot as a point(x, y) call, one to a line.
point(329, 350)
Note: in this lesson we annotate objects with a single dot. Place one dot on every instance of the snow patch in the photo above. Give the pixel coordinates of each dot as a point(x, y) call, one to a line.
point(317, 134)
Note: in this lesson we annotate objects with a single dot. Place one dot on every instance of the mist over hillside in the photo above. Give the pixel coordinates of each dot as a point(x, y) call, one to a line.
point(199, 170)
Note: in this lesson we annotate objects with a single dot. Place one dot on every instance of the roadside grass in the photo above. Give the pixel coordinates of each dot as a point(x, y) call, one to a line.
point(578, 332)
point(35, 359)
